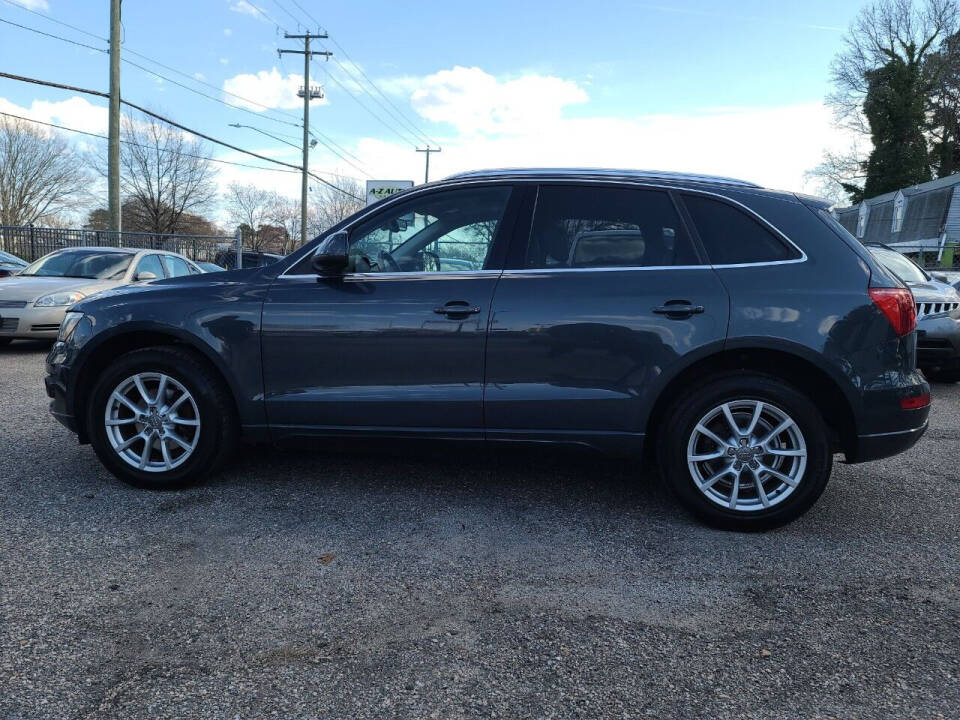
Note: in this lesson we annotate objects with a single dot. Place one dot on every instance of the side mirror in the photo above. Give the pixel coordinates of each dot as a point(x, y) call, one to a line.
point(144, 275)
point(940, 277)
point(332, 255)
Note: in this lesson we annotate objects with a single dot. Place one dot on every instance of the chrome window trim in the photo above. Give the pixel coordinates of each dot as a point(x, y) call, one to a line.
point(638, 184)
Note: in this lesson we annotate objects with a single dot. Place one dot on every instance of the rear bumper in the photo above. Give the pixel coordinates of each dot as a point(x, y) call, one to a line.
point(882, 445)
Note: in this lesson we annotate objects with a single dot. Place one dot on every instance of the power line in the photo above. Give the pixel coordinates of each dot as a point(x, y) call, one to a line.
point(197, 92)
point(331, 146)
point(265, 15)
point(328, 142)
point(150, 147)
point(400, 114)
point(295, 19)
point(156, 74)
point(145, 111)
point(359, 102)
point(49, 35)
point(299, 7)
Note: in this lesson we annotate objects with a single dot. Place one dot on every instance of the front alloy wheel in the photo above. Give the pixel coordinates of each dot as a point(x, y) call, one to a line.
point(152, 422)
point(161, 418)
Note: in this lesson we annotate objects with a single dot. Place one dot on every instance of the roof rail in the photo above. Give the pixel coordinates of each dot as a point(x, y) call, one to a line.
point(604, 173)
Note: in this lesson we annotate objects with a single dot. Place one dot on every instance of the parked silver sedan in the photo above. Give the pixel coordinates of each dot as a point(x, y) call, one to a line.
point(33, 303)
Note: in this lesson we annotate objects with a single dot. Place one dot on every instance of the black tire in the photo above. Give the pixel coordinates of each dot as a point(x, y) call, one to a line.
point(219, 428)
point(682, 419)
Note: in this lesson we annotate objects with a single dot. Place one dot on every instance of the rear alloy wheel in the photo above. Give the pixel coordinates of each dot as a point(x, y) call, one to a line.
point(746, 452)
point(746, 455)
point(161, 418)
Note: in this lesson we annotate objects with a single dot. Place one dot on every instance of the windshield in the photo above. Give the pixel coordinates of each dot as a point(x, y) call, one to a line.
point(91, 264)
point(901, 266)
point(6, 257)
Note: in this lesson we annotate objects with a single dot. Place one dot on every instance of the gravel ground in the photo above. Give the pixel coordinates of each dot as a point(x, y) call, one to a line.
point(460, 585)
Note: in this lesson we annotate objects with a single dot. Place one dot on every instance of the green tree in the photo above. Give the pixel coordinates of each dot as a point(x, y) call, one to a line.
point(895, 110)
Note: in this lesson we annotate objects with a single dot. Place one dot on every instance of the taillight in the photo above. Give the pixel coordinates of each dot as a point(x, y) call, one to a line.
point(916, 402)
point(898, 305)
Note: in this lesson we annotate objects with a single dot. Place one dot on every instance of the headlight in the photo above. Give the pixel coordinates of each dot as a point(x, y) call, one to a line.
point(68, 325)
point(59, 299)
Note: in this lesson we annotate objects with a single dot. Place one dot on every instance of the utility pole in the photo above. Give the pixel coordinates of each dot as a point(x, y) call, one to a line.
point(428, 150)
point(308, 93)
point(113, 132)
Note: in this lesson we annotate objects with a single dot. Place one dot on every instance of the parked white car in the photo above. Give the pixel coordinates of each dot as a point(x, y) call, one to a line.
point(33, 303)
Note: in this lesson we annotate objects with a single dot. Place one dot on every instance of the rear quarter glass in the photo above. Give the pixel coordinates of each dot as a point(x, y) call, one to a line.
point(880, 276)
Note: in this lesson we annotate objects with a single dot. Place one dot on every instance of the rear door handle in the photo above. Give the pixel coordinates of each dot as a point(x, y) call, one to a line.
point(456, 308)
point(679, 309)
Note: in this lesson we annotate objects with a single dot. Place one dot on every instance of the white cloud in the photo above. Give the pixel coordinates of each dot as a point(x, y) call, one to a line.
point(245, 8)
point(33, 4)
point(199, 76)
point(227, 32)
point(773, 146)
point(76, 112)
point(521, 121)
point(224, 61)
point(267, 87)
point(475, 102)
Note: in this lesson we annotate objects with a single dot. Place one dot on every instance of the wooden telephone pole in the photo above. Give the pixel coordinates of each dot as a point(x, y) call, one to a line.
point(308, 93)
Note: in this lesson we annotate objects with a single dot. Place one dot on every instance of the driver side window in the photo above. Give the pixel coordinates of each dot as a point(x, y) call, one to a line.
point(447, 231)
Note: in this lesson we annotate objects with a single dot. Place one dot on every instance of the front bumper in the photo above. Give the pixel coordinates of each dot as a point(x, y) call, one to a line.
point(58, 403)
point(31, 323)
point(938, 343)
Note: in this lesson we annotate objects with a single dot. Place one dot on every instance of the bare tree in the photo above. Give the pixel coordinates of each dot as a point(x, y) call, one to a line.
point(840, 176)
point(285, 213)
point(333, 203)
point(250, 208)
point(165, 173)
point(905, 31)
point(41, 175)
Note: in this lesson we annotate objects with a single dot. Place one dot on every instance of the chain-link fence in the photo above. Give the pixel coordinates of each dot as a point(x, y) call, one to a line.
point(933, 257)
point(30, 242)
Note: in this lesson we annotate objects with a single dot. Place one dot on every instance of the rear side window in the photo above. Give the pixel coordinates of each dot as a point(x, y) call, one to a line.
point(176, 267)
point(731, 237)
point(592, 227)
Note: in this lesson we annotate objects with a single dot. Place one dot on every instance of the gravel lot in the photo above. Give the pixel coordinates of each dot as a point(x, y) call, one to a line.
point(316, 584)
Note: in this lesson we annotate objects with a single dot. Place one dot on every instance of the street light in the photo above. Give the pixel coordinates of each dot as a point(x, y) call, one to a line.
point(264, 132)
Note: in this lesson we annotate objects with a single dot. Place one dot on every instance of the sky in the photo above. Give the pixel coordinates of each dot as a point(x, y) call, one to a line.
point(733, 88)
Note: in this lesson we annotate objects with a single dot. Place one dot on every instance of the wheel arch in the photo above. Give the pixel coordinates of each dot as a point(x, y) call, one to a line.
point(833, 400)
point(128, 338)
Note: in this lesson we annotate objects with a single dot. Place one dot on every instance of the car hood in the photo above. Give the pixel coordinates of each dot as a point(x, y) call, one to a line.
point(29, 288)
point(230, 277)
point(933, 291)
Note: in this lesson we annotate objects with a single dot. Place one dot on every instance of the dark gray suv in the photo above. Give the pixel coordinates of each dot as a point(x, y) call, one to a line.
point(734, 336)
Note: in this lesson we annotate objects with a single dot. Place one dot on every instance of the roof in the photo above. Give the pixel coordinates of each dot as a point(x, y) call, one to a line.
point(603, 173)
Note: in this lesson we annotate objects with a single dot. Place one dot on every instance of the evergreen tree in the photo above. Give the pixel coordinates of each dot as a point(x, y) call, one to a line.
point(895, 110)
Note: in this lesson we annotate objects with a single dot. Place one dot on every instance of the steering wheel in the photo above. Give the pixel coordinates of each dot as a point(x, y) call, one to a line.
point(386, 260)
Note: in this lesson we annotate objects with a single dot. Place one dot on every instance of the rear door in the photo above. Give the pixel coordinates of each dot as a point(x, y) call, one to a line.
point(598, 306)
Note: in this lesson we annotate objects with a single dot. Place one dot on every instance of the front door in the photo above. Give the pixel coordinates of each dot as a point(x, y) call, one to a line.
point(594, 311)
point(395, 344)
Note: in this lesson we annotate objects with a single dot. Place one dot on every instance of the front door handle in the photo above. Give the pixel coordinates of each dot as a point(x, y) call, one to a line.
point(679, 309)
point(457, 308)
